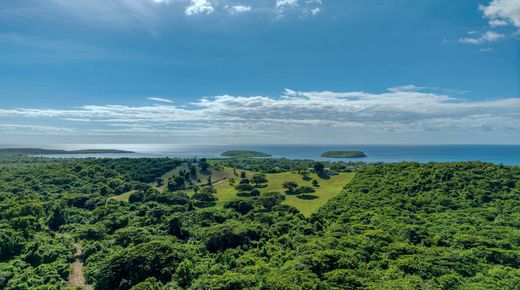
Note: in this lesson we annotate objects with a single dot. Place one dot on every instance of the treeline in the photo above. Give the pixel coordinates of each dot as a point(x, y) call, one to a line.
point(276, 165)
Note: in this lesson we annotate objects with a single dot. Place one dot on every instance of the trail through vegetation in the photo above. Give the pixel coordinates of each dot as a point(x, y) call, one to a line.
point(77, 278)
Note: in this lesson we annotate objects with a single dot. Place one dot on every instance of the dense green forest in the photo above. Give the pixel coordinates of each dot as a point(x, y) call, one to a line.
point(395, 226)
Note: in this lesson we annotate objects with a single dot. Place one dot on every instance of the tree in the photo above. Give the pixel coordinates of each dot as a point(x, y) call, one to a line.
point(56, 219)
point(259, 179)
point(318, 167)
point(270, 199)
point(304, 190)
point(183, 275)
point(175, 227)
point(244, 187)
point(315, 183)
point(243, 174)
point(290, 186)
point(10, 244)
point(176, 184)
point(203, 164)
point(193, 172)
point(179, 181)
point(205, 197)
point(133, 265)
point(242, 206)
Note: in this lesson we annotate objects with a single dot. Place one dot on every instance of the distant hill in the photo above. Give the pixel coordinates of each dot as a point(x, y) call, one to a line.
point(244, 154)
point(37, 151)
point(343, 154)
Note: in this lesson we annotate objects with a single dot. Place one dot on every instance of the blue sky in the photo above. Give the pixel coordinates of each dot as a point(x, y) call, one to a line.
point(260, 71)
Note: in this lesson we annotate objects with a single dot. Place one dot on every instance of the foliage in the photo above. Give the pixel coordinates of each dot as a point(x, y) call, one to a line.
point(396, 226)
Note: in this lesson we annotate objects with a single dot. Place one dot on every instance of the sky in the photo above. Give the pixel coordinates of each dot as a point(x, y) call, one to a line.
point(260, 71)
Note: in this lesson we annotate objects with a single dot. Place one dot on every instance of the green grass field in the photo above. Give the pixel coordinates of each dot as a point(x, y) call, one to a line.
point(328, 188)
point(123, 197)
point(217, 176)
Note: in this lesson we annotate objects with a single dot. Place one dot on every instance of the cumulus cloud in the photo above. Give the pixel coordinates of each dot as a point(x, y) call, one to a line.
point(487, 37)
point(502, 12)
point(400, 109)
point(499, 13)
point(199, 7)
point(149, 15)
point(285, 3)
point(298, 7)
point(236, 9)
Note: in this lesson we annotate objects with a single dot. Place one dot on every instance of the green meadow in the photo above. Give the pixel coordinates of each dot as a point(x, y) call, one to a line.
point(326, 189)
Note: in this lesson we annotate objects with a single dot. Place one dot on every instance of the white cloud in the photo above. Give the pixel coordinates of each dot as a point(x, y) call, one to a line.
point(400, 109)
point(502, 12)
point(315, 11)
point(497, 23)
point(285, 3)
point(297, 7)
point(236, 9)
point(163, 100)
point(488, 36)
point(199, 7)
point(29, 129)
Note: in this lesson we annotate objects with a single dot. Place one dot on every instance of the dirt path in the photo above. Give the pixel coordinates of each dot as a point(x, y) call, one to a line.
point(76, 278)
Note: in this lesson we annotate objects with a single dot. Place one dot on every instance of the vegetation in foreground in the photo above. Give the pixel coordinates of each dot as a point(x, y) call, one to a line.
point(395, 226)
point(343, 154)
point(244, 154)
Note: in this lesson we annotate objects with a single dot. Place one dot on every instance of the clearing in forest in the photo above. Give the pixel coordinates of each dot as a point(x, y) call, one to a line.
point(326, 189)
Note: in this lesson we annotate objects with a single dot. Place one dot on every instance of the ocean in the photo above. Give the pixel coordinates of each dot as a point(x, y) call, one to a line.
point(498, 154)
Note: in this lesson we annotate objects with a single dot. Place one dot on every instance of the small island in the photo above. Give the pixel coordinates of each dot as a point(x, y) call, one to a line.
point(244, 154)
point(37, 151)
point(344, 154)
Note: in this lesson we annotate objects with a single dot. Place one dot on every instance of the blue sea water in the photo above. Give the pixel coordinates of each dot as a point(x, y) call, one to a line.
point(498, 154)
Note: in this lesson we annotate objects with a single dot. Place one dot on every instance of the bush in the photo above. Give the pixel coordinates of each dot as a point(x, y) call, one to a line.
point(129, 267)
point(228, 235)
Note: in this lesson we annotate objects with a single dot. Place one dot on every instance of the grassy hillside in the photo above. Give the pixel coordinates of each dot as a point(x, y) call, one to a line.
point(328, 188)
